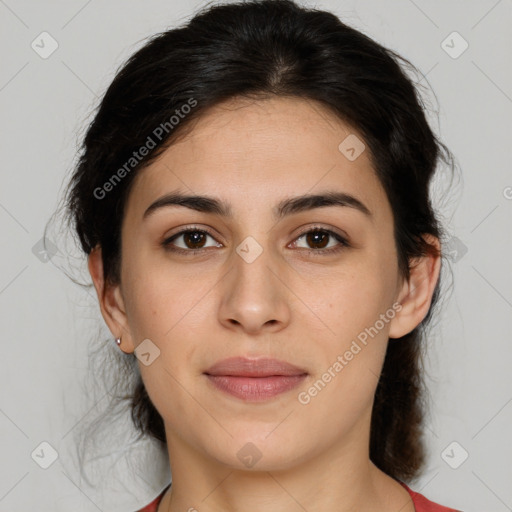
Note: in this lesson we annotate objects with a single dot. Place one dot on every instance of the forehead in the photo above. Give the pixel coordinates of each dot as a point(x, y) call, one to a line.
point(252, 153)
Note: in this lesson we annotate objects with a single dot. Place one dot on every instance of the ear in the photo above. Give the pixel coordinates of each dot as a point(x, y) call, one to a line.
point(415, 294)
point(111, 301)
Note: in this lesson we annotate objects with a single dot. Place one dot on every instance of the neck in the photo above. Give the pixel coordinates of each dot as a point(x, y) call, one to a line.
point(337, 480)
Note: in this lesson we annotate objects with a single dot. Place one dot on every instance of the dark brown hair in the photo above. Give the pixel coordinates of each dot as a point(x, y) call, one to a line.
point(258, 49)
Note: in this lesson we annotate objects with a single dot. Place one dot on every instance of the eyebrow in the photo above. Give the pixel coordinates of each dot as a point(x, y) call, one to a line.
point(286, 207)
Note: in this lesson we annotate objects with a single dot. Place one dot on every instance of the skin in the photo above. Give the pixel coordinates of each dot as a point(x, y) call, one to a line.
point(289, 304)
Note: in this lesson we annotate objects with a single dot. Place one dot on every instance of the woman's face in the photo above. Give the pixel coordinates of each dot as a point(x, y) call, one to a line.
point(260, 286)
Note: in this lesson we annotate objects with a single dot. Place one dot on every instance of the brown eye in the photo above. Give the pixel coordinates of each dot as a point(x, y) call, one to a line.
point(194, 239)
point(318, 239)
point(191, 240)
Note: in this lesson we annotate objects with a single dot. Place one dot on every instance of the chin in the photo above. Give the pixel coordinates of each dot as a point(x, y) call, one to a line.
point(255, 453)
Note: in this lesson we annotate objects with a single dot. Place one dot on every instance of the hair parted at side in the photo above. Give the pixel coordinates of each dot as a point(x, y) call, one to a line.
point(259, 49)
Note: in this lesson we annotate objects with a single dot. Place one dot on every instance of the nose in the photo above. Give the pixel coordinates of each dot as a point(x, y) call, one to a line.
point(254, 296)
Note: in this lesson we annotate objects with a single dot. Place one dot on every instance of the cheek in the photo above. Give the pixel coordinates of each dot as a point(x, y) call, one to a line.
point(352, 350)
point(358, 317)
point(355, 298)
point(168, 312)
point(358, 313)
point(160, 298)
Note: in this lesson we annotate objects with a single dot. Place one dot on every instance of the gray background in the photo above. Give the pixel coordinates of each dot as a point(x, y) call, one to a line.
point(47, 322)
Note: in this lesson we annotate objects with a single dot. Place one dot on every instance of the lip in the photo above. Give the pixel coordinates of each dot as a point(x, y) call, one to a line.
point(262, 367)
point(255, 380)
point(255, 389)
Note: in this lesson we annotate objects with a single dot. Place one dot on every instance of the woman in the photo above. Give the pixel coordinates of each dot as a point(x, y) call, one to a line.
point(253, 198)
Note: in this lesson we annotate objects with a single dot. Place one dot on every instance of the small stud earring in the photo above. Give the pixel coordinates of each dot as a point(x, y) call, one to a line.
point(118, 341)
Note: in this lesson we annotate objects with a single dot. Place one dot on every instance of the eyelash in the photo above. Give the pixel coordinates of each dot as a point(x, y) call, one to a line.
point(315, 252)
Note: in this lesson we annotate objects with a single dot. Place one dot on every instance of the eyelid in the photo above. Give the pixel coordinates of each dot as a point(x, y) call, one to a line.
point(192, 227)
point(319, 227)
